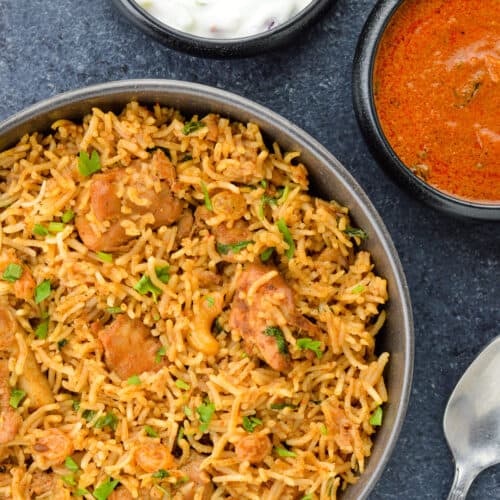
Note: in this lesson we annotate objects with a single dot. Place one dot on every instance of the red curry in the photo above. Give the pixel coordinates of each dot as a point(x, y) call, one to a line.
point(437, 93)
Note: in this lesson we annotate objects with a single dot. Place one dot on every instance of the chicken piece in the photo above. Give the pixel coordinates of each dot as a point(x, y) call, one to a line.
point(265, 308)
point(253, 448)
point(32, 380)
point(23, 287)
point(185, 225)
point(42, 483)
point(199, 480)
point(153, 456)
point(122, 195)
point(121, 493)
point(51, 448)
point(231, 234)
point(129, 347)
point(10, 420)
point(232, 205)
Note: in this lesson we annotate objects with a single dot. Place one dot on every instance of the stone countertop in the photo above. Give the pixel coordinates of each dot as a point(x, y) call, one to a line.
point(452, 266)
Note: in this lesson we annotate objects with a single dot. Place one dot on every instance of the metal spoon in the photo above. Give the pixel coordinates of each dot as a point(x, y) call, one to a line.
point(472, 420)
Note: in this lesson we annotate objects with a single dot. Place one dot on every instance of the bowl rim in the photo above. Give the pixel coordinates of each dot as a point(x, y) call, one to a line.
point(26, 121)
point(221, 47)
point(367, 116)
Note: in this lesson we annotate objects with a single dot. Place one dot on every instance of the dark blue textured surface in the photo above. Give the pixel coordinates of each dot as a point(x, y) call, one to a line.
point(452, 267)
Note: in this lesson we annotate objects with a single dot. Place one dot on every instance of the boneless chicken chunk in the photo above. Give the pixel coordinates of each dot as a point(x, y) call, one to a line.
point(10, 420)
point(129, 347)
point(257, 315)
point(52, 448)
point(124, 194)
point(24, 286)
point(253, 448)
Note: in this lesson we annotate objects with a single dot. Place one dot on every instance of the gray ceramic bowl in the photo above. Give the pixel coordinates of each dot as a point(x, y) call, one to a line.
point(329, 180)
point(222, 47)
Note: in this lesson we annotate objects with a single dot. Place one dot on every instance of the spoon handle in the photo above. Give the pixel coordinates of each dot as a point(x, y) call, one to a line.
point(461, 483)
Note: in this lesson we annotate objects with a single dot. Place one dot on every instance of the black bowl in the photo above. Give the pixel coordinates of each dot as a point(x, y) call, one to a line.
point(222, 47)
point(366, 113)
point(329, 179)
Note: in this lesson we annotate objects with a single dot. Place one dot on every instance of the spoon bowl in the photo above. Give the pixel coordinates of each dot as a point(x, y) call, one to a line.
point(472, 420)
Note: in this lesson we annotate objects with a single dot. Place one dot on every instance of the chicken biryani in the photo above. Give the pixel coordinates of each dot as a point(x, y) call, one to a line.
point(179, 317)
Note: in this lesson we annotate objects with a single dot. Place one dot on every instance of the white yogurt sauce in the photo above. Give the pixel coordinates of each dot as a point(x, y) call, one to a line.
point(223, 18)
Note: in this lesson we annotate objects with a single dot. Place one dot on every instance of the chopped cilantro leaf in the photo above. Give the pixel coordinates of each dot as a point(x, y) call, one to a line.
point(235, 247)
point(277, 333)
point(163, 273)
point(208, 201)
point(88, 166)
point(210, 301)
point(81, 491)
point(71, 464)
point(266, 254)
point(69, 480)
point(160, 353)
point(150, 431)
point(191, 127)
point(307, 497)
point(105, 257)
point(114, 310)
point(16, 396)
point(134, 380)
point(109, 420)
point(182, 385)
point(265, 200)
point(250, 423)
point(144, 286)
point(280, 406)
point(160, 474)
point(188, 412)
point(55, 227)
point(40, 230)
point(358, 289)
point(283, 452)
point(312, 345)
point(68, 216)
point(88, 415)
point(287, 236)
point(376, 418)
point(42, 291)
point(205, 412)
point(12, 272)
point(323, 429)
point(104, 490)
point(62, 343)
point(355, 231)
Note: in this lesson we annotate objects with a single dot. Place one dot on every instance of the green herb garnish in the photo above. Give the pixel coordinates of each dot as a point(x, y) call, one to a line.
point(265, 200)
point(71, 464)
point(40, 230)
point(234, 248)
point(163, 273)
point(105, 489)
point(312, 345)
point(188, 412)
point(68, 216)
point(134, 380)
point(144, 286)
point(205, 411)
point(180, 436)
point(266, 254)
point(16, 396)
point(355, 231)
point(81, 491)
point(69, 480)
point(287, 236)
point(55, 227)
point(150, 431)
point(160, 474)
point(307, 497)
point(284, 195)
point(210, 301)
point(277, 333)
point(88, 166)
point(250, 423)
point(88, 415)
point(323, 429)
point(42, 291)
point(358, 289)
point(12, 272)
point(105, 257)
point(283, 452)
point(182, 385)
point(76, 404)
point(208, 201)
point(62, 343)
point(109, 420)
point(376, 418)
point(159, 354)
point(280, 406)
point(191, 127)
point(114, 310)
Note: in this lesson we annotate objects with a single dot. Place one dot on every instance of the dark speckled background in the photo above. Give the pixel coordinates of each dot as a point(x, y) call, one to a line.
point(452, 267)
